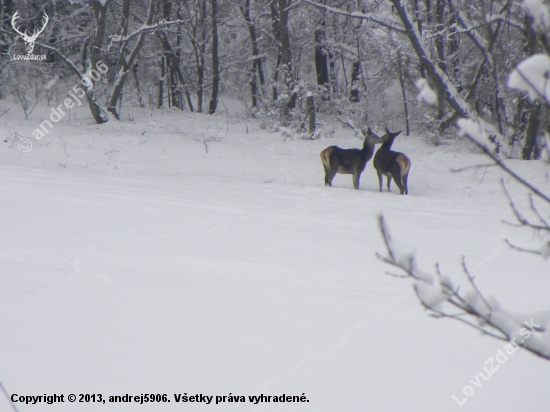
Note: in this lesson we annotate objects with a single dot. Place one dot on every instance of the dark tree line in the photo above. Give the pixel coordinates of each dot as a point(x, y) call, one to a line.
point(359, 58)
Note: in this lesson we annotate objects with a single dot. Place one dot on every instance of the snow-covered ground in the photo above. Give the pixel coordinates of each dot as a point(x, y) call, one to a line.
point(133, 262)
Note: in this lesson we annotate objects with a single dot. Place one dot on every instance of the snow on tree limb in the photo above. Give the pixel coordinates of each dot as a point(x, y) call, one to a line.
point(145, 28)
point(473, 128)
point(440, 80)
point(540, 14)
point(426, 94)
point(103, 115)
point(443, 299)
point(354, 15)
point(533, 76)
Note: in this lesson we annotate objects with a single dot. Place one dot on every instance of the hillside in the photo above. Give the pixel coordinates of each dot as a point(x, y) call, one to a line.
point(132, 261)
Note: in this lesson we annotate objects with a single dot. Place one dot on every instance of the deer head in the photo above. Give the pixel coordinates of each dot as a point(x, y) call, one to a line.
point(29, 39)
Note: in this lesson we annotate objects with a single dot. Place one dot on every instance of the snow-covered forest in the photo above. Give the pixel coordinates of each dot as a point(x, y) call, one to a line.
point(169, 227)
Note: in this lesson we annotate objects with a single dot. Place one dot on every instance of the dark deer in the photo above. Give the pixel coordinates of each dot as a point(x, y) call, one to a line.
point(392, 164)
point(349, 161)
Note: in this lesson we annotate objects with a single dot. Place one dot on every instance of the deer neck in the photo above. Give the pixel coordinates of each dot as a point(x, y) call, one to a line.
point(368, 148)
point(387, 144)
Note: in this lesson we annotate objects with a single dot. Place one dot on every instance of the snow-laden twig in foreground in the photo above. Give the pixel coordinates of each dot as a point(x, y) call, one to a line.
point(443, 299)
point(532, 76)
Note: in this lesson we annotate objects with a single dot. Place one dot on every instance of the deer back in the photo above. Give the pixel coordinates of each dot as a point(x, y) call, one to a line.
point(385, 157)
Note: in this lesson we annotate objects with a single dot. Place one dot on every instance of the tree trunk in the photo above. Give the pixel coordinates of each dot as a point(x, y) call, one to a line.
point(321, 57)
point(275, 21)
point(175, 59)
point(355, 81)
point(6, 7)
point(174, 99)
point(530, 149)
point(417, 16)
point(439, 41)
point(454, 47)
point(127, 63)
point(403, 92)
point(215, 60)
point(286, 56)
point(138, 88)
point(200, 58)
point(160, 100)
point(310, 113)
point(100, 15)
point(521, 119)
point(257, 69)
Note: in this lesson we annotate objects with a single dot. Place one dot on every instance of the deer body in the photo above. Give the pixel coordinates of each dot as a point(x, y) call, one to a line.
point(348, 161)
point(392, 164)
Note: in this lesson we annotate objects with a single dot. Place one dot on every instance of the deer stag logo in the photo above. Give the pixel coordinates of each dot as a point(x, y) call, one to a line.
point(29, 39)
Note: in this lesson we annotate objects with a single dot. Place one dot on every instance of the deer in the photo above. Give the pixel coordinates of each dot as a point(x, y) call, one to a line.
point(349, 161)
point(392, 164)
point(29, 39)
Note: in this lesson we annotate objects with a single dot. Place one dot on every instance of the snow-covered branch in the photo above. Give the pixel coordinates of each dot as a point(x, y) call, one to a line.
point(476, 134)
point(145, 28)
point(467, 304)
point(99, 113)
point(354, 15)
point(532, 76)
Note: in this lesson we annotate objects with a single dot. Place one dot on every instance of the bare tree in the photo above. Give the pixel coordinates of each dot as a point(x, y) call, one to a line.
point(469, 305)
point(215, 60)
point(256, 71)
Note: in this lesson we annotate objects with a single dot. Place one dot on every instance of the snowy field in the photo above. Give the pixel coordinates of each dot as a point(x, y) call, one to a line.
point(132, 261)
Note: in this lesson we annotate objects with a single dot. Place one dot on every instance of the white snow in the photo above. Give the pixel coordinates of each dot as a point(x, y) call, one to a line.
point(540, 14)
point(426, 94)
point(51, 83)
point(430, 294)
point(532, 76)
point(131, 261)
point(474, 129)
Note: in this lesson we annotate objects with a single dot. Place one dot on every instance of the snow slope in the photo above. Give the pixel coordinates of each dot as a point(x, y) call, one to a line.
point(132, 261)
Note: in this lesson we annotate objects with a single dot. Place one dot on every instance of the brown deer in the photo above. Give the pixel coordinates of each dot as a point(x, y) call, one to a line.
point(392, 164)
point(349, 161)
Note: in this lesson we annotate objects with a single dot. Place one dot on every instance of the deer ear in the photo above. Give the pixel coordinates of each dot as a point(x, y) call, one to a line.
point(397, 133)
point(388, 130)
point(369, 131)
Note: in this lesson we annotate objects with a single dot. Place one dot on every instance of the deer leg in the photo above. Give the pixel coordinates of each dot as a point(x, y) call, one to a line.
point(397, 178)
point(327, 183)
point(405, 178)
point(356, 177)
point(329, 175)
point(389, 183)
point(380, 178)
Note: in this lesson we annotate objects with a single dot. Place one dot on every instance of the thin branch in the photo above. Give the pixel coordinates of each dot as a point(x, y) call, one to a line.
point(462, 169)
point(534, 252)
point(522, 220)
point(353, 15)
point(503, 166)
point(484, 323)
point(472, 282)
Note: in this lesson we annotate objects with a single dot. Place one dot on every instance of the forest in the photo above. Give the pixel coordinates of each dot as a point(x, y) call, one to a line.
point(362, 62)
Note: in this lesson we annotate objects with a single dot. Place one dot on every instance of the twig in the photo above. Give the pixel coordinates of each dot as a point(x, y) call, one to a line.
point(534, 252)
point(5, 111)
point(462, 169)
point(484, 323)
